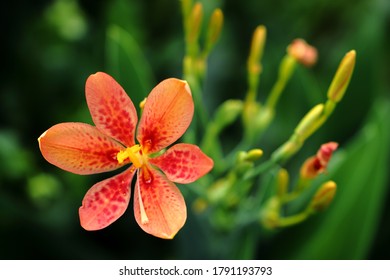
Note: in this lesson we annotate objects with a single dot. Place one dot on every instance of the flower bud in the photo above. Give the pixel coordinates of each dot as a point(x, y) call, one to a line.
point(317, 164)
point(323, 197)
point(186, 7)
point(286, 68)
point(270, 215)
point(245, 160)
point(228, 112)
point(282, 182)
point(195, 22)
point(220, 189)
point(325, 152)
point(310, 122)
point(342, 77)
point(214, 30)
point(256, 51)
point(254, 154)
point(311, 168)
point(303, 52)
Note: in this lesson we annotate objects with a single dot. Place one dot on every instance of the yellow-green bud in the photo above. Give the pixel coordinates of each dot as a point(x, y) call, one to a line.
point(342, 77)
point(254, 154)
point(228, 112)
point(323, 197)
point(186, 7)
point(286, 67)
point(195, 22)
point(241, 156)
point(256, 51)
point(282, 182)
point(310, 122)
point(270, 215)
point(218, 191)
point(214, 30)
point(250, 156)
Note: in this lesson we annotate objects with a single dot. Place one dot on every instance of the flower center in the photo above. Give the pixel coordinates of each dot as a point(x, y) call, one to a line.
point(134, 154)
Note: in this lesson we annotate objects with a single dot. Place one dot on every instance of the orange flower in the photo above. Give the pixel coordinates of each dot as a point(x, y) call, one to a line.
point(159, 207)
point(317, 164)
point(303, 52)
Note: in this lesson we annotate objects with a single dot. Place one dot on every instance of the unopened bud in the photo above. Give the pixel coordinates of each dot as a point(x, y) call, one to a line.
point(256, 51)
point(186, 7)
point(249, 157)
point(325, 152)
point(323, 197)
point(317, 164)
point(214, 30)
point(286, 68)
point(342, 77)
point(254, 154)
point(282, 182)
point(228, 112)
point(242, 164)
point(195, 22)
point(241, 156)
point(218, 191)
point(303, 52)
point(270, 215)
point(311, 168)
point(310, 122)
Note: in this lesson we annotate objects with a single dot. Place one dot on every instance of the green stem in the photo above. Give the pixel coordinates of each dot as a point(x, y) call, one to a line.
point(293, 220)
point(250, 174)
point(285, 71)
point(194, 81)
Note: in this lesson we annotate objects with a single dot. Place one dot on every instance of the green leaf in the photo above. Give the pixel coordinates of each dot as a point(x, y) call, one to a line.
point(127, 64)
point(347, 228)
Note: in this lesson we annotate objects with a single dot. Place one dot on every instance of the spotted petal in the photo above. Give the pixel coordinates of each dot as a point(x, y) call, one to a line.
point(183, 163)
point(159, 207)
point(111, 108)
point(79, 148)
point(167, 114)
point(106, 201)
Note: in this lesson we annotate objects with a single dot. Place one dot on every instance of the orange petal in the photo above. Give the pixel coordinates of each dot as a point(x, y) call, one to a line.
point(166, 116)
point(106, 201)
point(159, 207)
point(183, 163)
point(111, 108)
point(325, 152)
point(79, 148)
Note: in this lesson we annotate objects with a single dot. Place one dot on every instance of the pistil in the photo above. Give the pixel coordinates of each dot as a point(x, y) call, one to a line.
point(133, 154)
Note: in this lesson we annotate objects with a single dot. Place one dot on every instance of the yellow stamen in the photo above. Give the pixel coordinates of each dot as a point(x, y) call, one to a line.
point(133, 154)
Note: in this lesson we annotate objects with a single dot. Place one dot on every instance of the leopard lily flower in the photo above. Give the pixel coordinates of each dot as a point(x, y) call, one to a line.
point(80, 148)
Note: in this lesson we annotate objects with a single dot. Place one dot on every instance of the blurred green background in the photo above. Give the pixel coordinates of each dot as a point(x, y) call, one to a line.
point(50, 48)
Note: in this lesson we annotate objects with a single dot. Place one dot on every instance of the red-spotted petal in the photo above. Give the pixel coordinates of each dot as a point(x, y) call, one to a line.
point(183, 163)
point(166, 116)
point(106, 201)
point(111, 108)
point(79, 148)
point(159, 207)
